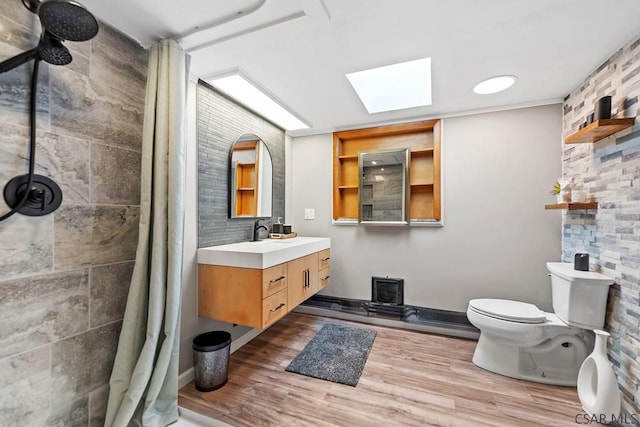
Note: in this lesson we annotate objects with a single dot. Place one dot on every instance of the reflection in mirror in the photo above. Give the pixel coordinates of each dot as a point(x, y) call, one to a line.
point(384, 187)
point(251, 178)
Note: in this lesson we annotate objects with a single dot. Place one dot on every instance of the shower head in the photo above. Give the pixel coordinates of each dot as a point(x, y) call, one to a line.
point(65, 19)
point(52, 51)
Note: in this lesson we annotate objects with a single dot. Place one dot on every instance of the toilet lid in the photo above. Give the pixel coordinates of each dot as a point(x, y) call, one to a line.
point(514, 311)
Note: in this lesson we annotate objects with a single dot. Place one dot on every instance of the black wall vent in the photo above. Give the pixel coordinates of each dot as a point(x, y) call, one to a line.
point(386, 290)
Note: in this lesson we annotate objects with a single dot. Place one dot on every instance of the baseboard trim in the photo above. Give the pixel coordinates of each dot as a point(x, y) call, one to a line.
point(189, 418)
point(387, 322)
point(187, 376)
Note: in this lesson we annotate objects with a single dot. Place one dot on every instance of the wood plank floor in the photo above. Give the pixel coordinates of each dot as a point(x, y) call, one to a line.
point(411, 378)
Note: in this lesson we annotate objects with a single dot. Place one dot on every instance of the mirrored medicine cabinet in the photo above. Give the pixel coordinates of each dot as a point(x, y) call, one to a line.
point(250, 178)
point(383, 187)
point(417, 200)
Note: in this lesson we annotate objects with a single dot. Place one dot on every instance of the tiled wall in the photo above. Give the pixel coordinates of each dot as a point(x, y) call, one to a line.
point(220, 122)
point(610, 171)
point(64, 277)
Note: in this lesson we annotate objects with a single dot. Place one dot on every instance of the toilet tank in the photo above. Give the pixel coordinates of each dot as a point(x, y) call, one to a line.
point(579, 297)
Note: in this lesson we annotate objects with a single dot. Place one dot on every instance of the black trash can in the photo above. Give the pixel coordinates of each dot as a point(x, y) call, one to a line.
point(211, 359)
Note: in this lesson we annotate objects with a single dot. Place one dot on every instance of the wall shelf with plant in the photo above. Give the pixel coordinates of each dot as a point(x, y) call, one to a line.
point(571, 205)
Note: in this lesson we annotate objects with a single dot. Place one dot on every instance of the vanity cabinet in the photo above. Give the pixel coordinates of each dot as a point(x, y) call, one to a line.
point(258, 297)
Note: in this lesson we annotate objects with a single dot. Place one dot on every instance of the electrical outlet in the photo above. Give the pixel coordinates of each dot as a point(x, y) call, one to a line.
point(309, 214)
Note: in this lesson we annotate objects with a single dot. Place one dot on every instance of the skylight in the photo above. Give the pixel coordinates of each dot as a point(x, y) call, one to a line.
point(394, 87)
point(246, 93)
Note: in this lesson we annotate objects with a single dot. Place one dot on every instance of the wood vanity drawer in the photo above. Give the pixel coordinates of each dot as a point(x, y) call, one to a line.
point(274, 307)
point(324, 259)
point(324, 278)
point(274, 279)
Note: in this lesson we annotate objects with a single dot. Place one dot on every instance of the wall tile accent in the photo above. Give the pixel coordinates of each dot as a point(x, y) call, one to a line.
point(115, 186)
point(15, 87)
point(98, 406)
point(26, 248)
point(95, 234)
point(109, 291)
point(38, 310)
point(66, 161)
point(64, 277)
point(220, 122)
point(24, 387)
point(610, 172)
point(74, 415)
point(82, 363)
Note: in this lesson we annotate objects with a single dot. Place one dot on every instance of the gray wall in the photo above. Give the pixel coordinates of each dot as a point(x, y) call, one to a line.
point(497, 171)
point(220, 122)
point(213, 125)
point(610, 171)
point(64, 277)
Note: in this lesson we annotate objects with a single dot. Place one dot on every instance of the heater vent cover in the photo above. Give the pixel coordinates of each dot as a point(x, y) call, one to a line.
point(386, 290)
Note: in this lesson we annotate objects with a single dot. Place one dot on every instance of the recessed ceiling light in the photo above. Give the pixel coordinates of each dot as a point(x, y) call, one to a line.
point(248, 94)
point(494, 84)
point(394, 87)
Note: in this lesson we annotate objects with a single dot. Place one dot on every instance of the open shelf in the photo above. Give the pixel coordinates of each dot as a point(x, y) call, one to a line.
point(422, 152)
point(586, 205)
point(422, 139)
point(598, 130)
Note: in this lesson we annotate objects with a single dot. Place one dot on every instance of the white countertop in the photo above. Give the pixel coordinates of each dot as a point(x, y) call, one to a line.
point(262, 254)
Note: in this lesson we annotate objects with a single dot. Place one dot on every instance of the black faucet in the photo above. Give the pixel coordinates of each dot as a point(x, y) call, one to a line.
point(256, 229)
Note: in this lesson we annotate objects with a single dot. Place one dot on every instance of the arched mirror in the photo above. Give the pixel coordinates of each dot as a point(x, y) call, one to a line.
point(250, 178)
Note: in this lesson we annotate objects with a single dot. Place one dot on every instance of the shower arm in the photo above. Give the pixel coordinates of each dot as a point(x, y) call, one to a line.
point(19, 59)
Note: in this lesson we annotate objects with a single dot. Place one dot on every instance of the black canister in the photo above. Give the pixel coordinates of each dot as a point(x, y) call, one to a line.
point(581, 262)
point(277, 228)
point(603, 108)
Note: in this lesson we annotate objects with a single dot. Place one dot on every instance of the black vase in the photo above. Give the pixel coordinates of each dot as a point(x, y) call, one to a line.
point(581, 262)
point(603, 108)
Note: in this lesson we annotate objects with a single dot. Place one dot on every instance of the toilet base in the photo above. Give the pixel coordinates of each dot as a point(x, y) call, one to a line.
point(555, 361)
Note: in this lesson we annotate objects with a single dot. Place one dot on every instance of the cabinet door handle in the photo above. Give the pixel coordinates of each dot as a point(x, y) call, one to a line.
point(325, 278)
point(278, 307)
point(277, 280)
point(325, 259)
point(306, 278)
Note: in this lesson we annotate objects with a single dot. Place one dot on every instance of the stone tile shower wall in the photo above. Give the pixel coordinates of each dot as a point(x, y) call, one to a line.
point(220, 122)
point(64, 277)
point(610, 171)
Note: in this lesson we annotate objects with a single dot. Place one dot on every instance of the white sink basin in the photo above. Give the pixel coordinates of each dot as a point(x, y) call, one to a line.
point(262, 254)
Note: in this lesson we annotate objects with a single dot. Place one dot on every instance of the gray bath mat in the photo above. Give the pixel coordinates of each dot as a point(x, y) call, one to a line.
point(337, 353)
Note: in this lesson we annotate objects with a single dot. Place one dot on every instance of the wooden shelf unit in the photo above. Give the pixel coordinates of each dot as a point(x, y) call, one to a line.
point(246, 194)
point(585, 205)
point(598, 130)
point(423, 140)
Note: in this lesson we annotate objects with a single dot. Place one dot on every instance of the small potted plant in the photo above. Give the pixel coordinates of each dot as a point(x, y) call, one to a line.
point(562, 190)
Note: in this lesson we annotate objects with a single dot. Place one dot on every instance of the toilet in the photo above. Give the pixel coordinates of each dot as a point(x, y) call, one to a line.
point(519, 340)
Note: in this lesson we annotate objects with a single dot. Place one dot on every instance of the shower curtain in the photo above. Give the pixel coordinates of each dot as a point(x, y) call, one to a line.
point(144, 380)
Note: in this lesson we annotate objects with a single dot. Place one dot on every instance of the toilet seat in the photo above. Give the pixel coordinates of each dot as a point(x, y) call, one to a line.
point(511, 311)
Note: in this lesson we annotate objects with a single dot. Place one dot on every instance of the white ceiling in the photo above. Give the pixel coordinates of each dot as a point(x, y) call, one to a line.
point(300, 50)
